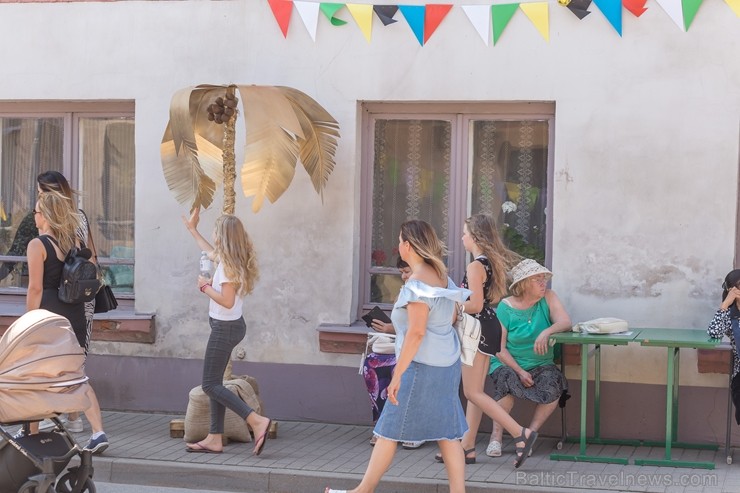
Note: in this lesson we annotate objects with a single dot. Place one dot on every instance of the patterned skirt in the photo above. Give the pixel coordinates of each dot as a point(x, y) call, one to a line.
point(549, 384)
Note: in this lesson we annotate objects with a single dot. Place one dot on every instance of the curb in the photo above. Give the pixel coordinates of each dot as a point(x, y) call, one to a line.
point(266, 480)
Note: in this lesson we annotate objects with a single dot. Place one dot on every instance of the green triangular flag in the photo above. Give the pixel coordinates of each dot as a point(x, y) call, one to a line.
point(690, 7)
point(501, 15)
point(329, 10)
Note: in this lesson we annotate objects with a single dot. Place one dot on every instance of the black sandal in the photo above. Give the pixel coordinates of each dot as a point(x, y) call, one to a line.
point(522, 453)
point(468, 460)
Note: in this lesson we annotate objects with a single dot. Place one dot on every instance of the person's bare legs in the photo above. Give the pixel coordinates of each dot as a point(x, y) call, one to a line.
point(93, 414)
point(380, 461)
point(474, 379)
point(497, 433)
point(541, 413)
point(454, 459)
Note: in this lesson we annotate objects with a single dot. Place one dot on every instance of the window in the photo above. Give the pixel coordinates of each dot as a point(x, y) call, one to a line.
point(92, 144)
point(442, 163)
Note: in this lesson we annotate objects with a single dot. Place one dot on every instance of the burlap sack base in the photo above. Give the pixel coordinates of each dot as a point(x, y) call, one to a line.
point(198, 414)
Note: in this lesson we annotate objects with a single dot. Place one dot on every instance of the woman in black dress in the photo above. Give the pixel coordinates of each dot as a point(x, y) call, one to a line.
point(58, 222)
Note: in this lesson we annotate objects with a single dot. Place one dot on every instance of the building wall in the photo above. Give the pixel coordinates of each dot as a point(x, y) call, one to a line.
point(645, 157)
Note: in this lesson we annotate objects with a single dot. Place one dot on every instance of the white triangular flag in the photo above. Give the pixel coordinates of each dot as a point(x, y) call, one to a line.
point(309, 13)
point(674, 9)
point(480, 17)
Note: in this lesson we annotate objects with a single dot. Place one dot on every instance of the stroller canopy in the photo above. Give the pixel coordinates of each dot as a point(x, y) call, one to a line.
point(41, 368)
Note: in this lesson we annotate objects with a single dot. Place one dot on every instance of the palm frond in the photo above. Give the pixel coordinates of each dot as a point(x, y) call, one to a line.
point(192, 158)
point(321, 131)
point(271, 153)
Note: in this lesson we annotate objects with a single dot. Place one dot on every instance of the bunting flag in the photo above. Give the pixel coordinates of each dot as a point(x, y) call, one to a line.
point(578, 7)
point(363, 16)
point(637, 7)
point(414, 15)
point(690, 7)
point(479, 16)
point(539, 14)
point(330, 10)
point(674, 9)
point(681, 11)
point(309, 14)
point(612, 10)
point(385, 13)
point(282, 9)
point(424, 20)
point(500, 17)
point(435, 14)
point(734, 5)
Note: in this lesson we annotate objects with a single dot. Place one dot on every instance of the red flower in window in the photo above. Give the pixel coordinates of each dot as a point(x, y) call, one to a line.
point(378, 257)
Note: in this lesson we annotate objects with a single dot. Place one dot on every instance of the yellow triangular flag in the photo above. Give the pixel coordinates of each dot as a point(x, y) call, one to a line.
point(363, 16)
point(735, 6)
point(539, 14)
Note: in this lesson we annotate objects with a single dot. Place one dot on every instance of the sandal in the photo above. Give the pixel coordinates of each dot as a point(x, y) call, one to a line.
point(468, 460)
point(522, 453)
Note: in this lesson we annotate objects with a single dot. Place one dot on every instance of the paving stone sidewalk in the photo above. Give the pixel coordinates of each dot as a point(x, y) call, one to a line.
point(306, 457)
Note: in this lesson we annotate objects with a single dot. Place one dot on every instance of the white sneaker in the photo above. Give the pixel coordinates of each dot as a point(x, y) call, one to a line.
point(47, 425)
point(412, 445)
point(494, 449)
point(74, 425)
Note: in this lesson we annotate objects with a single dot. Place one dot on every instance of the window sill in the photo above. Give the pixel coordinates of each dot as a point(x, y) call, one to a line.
point(344, 339)
point(120, 325)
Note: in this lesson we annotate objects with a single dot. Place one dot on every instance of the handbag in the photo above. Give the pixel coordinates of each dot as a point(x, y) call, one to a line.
point(468, 331)
point(607, 325)
point(105, 301)
point(378, 343)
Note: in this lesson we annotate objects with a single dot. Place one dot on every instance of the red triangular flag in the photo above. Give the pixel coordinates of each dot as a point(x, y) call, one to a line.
point(435, 14)
point(637, 7)
point(282, 9)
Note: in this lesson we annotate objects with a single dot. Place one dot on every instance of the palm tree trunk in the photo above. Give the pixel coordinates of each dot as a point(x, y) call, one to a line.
point(229, 161)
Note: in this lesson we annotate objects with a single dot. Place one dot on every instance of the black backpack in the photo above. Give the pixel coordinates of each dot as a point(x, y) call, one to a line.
point(80, 279)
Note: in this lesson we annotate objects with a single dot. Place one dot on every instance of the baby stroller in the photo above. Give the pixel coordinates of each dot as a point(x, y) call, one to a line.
point(41, 375)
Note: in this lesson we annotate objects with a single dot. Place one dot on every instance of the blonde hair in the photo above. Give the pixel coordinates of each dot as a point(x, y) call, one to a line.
point(63, 219)
point(235, 250)
point(517, 290)
point(426, 244)
point(483, 231)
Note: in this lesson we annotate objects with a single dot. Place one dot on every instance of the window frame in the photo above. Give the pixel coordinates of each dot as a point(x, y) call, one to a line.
point(71, 112)
point(460, 114)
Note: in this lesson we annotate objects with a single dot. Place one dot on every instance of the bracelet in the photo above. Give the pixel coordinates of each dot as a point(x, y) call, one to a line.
point(203, 287)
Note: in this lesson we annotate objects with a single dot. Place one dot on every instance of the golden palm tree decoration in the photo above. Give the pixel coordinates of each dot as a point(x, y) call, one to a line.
point(282, 125)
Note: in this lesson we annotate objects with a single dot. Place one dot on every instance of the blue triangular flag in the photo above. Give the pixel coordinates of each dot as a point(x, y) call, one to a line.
point(612, 10)
point(414, 15)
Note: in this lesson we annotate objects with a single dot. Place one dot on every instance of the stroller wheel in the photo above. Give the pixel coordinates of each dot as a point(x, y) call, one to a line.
point(68, 482)
point(33, 487)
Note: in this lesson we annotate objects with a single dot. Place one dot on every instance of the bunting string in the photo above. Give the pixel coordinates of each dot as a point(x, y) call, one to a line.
point(489, 21)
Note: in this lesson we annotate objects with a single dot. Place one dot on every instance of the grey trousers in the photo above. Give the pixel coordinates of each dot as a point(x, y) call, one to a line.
point(225, 335)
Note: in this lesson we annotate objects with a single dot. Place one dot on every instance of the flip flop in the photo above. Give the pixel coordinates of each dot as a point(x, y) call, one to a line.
point(263, 437)
point(329, 490)
point(197, 448)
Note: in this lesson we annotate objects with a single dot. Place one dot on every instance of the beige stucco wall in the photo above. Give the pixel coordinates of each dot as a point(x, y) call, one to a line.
point(645, 158)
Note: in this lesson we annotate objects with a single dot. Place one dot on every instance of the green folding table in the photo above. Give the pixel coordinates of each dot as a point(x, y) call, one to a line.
point(597, 340)
point(674, 340)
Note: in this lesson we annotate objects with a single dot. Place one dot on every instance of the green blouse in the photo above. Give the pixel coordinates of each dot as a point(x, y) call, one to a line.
point(523, 327)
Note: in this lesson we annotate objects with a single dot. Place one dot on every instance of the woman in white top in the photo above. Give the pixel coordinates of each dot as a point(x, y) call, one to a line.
point(235, 276)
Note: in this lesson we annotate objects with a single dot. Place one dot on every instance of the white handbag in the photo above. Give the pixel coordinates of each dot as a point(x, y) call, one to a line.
point(380, 343)
point(468, 331)
point(606, 325)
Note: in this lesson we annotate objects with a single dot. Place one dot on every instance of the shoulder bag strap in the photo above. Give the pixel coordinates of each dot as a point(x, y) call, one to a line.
point(90, 237)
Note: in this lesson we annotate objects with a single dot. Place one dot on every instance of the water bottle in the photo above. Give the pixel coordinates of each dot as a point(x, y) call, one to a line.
point(205, 265)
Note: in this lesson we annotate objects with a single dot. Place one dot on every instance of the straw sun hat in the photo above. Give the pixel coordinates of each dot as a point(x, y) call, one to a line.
point(525, 269)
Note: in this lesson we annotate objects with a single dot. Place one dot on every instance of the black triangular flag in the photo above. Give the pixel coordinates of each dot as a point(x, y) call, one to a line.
point(579, 7)
point(385, 13)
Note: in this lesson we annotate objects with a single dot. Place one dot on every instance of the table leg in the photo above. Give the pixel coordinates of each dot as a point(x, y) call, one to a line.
point(583, 440)
point(671, 420)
